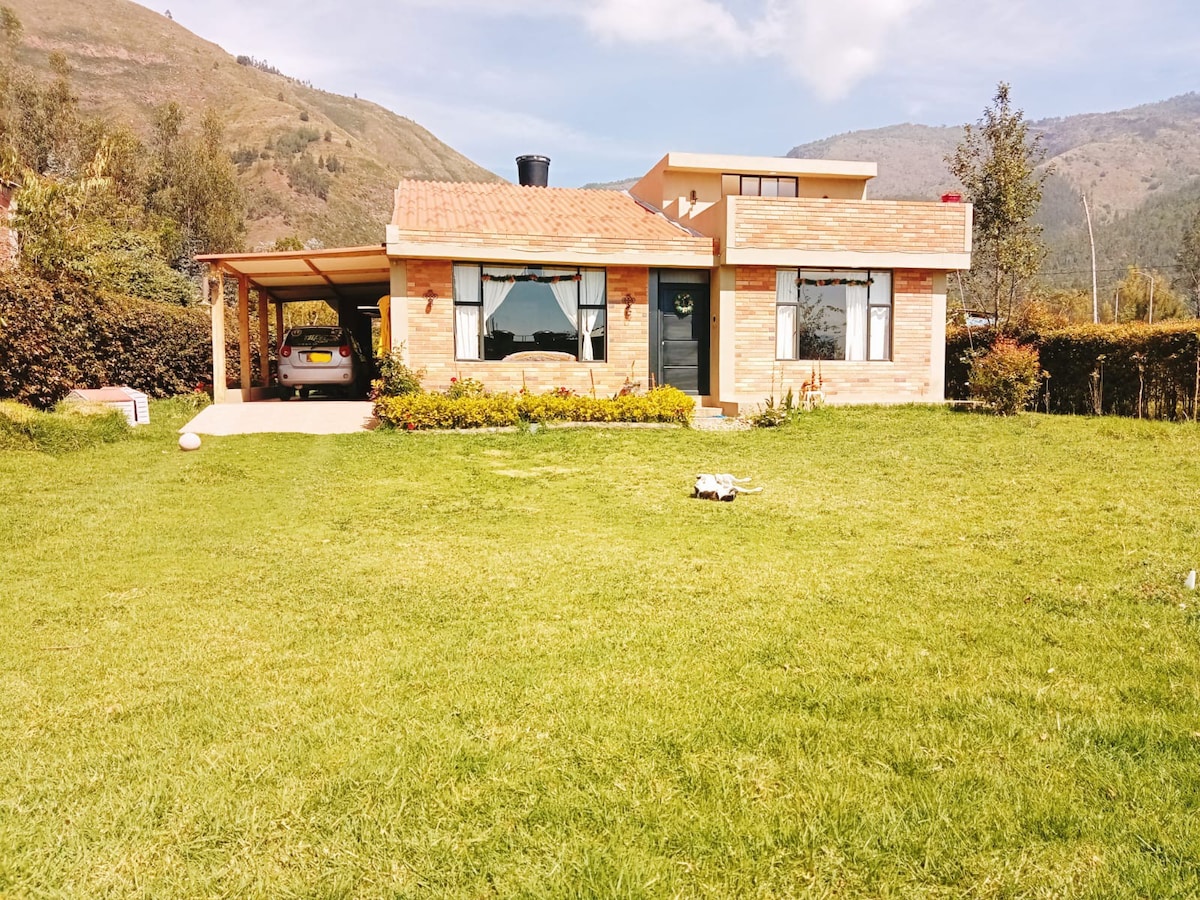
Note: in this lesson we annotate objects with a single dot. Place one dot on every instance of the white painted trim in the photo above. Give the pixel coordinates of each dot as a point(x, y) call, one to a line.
point(937, 341)
point(549, 256)
point(845, 259)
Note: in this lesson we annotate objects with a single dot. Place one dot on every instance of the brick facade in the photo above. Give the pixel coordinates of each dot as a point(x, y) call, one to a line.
point(431, 338)
point(904, 379)
point(876, 226)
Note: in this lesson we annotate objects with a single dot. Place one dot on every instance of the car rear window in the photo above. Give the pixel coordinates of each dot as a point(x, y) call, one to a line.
point(315, 337)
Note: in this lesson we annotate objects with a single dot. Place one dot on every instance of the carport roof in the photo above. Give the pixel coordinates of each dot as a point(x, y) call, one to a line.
point(344, 273)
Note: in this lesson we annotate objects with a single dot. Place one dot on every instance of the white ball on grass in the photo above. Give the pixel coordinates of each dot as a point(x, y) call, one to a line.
point(189, 441)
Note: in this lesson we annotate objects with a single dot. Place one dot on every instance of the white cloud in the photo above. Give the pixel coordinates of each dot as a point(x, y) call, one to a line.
point(695, 24)
point(831, 45)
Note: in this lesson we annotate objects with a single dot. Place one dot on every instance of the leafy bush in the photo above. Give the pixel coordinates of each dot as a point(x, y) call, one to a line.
point(420, 411)
point(62, 336)
point(305, 178)
point(1100, 368)
point(70, 427)
point(396, 377)
point(480, 410)
point(466, 387)
point(1006, 376)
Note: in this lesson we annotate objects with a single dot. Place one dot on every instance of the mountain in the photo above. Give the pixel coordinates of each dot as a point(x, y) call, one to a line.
point(127, 60)
point(1120, 158)
point(1139, 167)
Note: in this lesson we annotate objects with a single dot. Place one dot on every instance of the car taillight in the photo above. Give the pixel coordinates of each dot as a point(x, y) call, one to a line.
point(344, 350)
point(285, 351)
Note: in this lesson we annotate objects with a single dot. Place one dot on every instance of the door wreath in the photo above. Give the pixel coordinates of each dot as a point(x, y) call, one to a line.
point(684, 304)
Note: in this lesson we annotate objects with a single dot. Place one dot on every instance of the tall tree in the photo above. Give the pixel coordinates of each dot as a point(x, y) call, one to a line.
point(997, 164)
point(1189, 262)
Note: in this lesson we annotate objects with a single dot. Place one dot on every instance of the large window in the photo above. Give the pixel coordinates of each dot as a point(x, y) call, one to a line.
point(833, 314)
point(500, 311)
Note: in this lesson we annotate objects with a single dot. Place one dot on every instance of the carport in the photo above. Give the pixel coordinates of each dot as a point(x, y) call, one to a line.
point(350, 279)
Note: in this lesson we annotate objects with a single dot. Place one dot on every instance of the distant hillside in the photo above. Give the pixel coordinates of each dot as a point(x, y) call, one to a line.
point(1120, 158)
point(127, 60)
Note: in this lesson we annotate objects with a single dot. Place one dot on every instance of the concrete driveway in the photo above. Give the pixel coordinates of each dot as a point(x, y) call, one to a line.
point(279, 416)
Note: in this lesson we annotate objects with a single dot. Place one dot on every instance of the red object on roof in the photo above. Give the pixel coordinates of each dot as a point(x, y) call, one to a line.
point(952, 197)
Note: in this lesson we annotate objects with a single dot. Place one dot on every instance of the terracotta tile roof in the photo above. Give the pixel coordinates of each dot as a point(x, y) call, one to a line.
point(509, 209)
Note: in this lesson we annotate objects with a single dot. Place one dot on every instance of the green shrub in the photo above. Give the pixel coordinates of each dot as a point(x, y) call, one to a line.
point(69, 427)
point(466, 387)
point(1006, 376)
point(475, 410)
point(61, 336)
point(1100, 368)
point(421, 411)
point(396, 377)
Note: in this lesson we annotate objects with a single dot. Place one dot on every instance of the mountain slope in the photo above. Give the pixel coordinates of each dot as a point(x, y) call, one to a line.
point(1120, 158)
point(127, 60)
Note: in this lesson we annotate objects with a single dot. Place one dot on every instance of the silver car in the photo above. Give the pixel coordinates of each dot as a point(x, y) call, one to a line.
point(324, 357)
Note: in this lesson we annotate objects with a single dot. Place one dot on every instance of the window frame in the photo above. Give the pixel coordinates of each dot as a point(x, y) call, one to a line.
point(872, 304)
point(580, 306)
point(794, 181)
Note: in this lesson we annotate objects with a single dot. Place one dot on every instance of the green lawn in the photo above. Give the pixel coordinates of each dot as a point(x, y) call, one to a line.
point(941, 655)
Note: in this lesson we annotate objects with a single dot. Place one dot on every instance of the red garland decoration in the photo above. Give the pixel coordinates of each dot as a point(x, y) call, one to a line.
point(549, 279)
point(823, 282)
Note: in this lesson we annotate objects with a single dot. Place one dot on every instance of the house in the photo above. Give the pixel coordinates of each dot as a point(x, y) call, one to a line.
point(730, 277)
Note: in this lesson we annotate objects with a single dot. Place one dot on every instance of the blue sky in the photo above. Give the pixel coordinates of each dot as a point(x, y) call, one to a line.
point(605, 87)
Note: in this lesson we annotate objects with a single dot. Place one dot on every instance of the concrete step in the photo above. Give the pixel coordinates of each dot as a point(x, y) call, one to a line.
point(707, 412)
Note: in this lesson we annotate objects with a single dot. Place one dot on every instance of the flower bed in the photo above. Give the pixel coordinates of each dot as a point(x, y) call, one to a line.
point(475, 408)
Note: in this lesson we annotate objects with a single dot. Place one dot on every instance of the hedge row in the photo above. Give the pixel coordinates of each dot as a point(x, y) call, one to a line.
point(1100, 368)
point(422, 411)
point(55, 337)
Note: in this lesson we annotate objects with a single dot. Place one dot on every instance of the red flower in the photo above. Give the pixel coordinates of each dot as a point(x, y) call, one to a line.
point(410, 426)
point(453, 380)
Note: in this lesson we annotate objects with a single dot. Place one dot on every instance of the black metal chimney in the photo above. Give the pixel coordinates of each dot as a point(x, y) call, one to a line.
point(533, 171)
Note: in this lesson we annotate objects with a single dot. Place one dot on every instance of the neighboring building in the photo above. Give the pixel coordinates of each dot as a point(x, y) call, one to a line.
point(729, 277)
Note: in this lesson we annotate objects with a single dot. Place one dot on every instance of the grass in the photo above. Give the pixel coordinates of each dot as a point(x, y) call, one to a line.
point(941, 655)
point(70, 427)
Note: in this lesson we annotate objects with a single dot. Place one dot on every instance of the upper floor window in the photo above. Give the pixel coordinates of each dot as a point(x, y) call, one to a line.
point(502, 310)
point(767, 186)
point(833, 314)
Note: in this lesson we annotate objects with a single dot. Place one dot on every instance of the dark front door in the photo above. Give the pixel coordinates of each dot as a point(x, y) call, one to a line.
point(682, 337)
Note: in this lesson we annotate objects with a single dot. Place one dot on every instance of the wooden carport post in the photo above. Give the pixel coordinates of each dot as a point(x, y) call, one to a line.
point(278, 322)
point(264, 340)
point(244, 333)
point(216, 284)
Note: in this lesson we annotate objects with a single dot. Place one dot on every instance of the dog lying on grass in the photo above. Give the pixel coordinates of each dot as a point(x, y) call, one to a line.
point(721, 487)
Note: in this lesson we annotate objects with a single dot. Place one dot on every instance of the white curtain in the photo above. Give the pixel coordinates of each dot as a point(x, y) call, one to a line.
point(856, 321)
point(566, 293)
point(880, 322)
point(494, 292)
point(592, 287)
point(466, 318)
point(785, 313)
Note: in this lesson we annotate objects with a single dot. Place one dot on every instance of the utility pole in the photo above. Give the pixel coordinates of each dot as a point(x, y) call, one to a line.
point(1092, 240)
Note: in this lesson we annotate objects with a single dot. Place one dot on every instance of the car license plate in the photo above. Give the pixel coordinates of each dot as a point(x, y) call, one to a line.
point(319, 356)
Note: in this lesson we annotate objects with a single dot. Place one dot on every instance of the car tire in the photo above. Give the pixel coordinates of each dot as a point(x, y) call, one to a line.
point(303, 393)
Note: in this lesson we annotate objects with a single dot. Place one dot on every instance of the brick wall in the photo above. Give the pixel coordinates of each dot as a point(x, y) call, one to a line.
point(905, 379)
point(431, 338)
point(877, 226)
